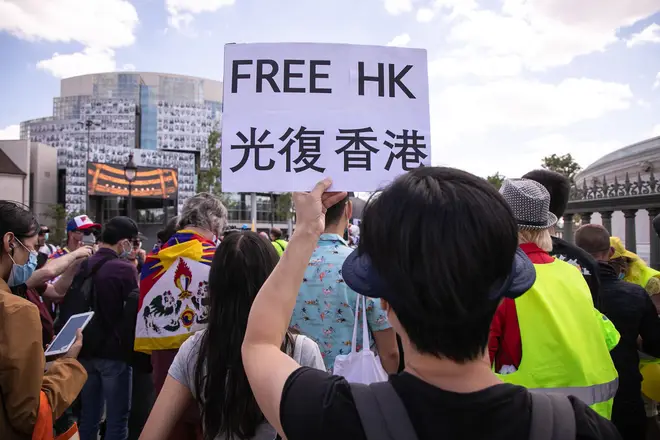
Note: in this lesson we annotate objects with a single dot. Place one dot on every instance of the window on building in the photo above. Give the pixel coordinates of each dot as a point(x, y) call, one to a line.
point(61, 186)
point(31, 192)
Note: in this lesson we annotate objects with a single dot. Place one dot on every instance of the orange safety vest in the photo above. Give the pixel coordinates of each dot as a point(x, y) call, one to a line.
point(43, 429)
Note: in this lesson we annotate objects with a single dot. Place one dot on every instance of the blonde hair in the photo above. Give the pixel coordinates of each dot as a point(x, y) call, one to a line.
point(540, 237)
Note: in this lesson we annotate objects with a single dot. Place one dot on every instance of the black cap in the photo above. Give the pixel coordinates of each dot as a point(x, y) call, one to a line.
point(360, 275)
point(43, 230)
point(120, 228)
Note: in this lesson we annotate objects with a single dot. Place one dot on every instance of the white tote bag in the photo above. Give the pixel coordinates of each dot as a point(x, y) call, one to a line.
point(363, 366)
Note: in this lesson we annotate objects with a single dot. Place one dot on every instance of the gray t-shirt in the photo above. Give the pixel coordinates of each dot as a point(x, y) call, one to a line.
point(305, 352)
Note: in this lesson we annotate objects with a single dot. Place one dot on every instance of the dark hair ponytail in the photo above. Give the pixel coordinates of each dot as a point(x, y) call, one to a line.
point(241, 265)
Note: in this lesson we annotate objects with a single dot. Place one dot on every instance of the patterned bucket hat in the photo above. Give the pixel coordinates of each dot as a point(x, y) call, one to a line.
point(530, 203)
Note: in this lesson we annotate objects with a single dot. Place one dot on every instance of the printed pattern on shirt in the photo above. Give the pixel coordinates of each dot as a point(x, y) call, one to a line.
point(325, 306)
point(59, 253)
point(573, 262)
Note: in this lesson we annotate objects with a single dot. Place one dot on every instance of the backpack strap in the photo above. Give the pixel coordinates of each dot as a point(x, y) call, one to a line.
point(553, 417)
point(99, 265)
point(93, 298)
point(381, 412)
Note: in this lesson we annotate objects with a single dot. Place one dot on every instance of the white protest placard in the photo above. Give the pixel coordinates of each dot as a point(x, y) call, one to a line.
point(294, 113)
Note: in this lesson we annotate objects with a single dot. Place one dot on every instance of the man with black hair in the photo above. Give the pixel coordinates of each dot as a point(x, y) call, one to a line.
point(107, 360)
point(631, 310)
point(439, 281)
point(325, 308)
point(164, 234)
point(559, 188)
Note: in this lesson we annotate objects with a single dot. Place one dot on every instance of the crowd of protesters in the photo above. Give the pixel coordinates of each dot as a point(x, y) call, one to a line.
point(477, 321)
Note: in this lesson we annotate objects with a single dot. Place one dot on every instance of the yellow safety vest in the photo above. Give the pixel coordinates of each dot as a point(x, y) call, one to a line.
point(280, 246)
point(563, 345)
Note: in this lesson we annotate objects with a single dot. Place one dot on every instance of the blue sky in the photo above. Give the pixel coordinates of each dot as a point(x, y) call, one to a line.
point(511, 80)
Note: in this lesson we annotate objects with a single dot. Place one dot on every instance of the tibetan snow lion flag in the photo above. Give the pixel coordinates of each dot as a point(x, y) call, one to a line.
point(174, 292)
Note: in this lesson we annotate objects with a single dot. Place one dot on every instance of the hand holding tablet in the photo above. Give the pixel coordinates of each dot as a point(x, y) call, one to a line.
point(69, 340)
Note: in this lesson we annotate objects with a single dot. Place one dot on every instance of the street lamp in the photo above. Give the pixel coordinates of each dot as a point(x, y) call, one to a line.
point(130, 172)
point(88, 124)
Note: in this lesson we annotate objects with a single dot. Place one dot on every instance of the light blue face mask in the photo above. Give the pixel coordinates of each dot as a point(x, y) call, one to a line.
point(125, 253)
point(20, 273)
point(622, 275)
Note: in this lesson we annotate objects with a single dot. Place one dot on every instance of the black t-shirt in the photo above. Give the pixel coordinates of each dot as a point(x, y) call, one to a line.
point(579, 258)
point(316, 405)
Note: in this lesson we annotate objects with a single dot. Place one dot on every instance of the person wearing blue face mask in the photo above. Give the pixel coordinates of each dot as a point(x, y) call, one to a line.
point(44, 248)
point(20, 273)
point(24, 387)
point(108, 353)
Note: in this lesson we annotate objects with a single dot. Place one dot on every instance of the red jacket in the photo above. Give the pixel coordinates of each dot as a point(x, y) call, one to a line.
point(504, 343)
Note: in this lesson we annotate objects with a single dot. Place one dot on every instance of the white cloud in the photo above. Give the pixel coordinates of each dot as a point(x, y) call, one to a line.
point(655, 131)
point(10, 132)
point(100, 26)
point(128, 68)
point(540, 33)
point(519, 104)
point(650, 34)
point(509, 125)
point(584, 152)
point(396, 7)
point(464, 62)
point(601, 15)
point(400, 40)
point(181, 12)
point(424, 15)
point(79, 63)
point(656, 84)
point(455, 7)
point(98, 23)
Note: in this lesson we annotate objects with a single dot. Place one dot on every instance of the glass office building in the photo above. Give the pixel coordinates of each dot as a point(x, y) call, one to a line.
point(164, 120)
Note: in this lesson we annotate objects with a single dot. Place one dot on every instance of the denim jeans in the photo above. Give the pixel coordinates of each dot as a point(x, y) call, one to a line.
point(108, 384)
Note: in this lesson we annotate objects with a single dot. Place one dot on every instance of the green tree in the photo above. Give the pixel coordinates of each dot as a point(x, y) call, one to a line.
point(565, 165)
point(210, 180)
point(496, 180)
point(57, 212)
point(283, 206)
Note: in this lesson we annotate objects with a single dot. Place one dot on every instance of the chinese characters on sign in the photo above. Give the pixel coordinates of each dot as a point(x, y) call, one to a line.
point(294, 113)
point(356, 153)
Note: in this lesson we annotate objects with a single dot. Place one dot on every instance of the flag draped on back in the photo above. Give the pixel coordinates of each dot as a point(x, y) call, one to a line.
point(174, 292)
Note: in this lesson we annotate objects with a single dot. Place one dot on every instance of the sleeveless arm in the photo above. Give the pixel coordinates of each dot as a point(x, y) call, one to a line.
point(169, 408)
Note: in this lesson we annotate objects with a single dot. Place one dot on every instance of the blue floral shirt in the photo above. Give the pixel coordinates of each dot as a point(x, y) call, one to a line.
point(325, 308)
